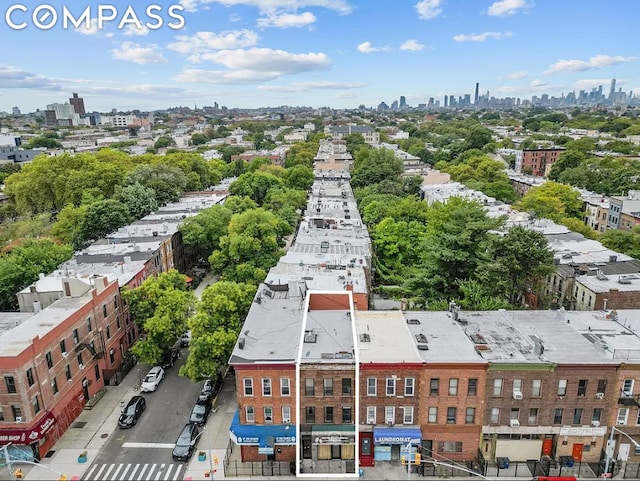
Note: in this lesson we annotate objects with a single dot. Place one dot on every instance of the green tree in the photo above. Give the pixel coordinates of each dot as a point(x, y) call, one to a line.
point(374, 166)
point(203, 231)
point(163, 142)
point(227, 304)
point(101, 218)
point(167, 182)
point(138, 199)
point(255, 185)
point(299, 177)
point(553, 201)
point(46, 142)
point(199, 139)
point(68, 223)
point(566, 160)
point(208, 352)
point(624, 241)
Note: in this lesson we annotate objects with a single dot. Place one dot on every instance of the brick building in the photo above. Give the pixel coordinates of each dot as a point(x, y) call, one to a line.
point(538, 162)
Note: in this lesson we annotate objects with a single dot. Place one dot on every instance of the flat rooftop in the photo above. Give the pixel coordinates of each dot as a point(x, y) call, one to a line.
point(383, 337)
point(328, 337)
point(320, 278)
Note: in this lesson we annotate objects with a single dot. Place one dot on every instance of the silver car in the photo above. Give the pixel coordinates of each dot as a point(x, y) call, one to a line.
point(152, 380)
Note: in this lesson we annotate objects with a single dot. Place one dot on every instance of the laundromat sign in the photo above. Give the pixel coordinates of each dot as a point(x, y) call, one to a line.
point(30, 435)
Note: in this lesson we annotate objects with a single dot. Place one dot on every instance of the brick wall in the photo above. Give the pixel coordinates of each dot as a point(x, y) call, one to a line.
point(258, 400)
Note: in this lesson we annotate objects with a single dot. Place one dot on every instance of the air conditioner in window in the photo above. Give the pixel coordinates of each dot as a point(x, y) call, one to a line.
point(19, 419)
point(371, 421)
point(65, 354)
point(390, 422)
point(286, 420)
point(81, 366)
point(595, 424)
point(599, 395)
point(514, 423)
point(517, 395)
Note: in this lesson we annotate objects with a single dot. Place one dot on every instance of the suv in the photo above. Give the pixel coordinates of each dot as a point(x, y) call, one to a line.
point(186, 442)
point(152, 380)
point(211, 387)
point(185, 340)
point(201, 410)
point(132, 412)
point(169, 358)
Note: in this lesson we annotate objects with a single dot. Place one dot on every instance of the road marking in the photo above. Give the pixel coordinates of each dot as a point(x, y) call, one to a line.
point(115, 473)
point(124, 473)
point(153, 466)
point(166, 477)
point(133, 473)
point(148, 445)
point(106, 475)
point(93, 468)
point(144, 468)
point(159, 473)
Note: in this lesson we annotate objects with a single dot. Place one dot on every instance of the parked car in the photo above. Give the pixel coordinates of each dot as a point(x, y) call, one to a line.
point(201, 410)
point(186, 442)
point(152, 380)
point(169, 358)
point(132, 412)
point(185, 340)
point(211, 387)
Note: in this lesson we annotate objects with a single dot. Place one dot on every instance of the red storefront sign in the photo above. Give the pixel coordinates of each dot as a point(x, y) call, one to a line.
point(28, 435)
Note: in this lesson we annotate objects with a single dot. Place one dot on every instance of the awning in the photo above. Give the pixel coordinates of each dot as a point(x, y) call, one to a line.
point(31, 434)
point(257, 435)
point(266, 444)
point(397, 435)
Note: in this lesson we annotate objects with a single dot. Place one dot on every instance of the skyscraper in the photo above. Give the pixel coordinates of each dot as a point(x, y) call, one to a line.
point(475, 99)
point(612, 91)
point(403, 101)
point(78, 104)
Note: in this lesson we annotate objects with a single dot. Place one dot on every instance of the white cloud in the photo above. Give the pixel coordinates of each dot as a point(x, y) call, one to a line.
point(367, 47)
point(13, 77)
point(412, 46)
point(588, 84)
point(286, 20)
point(131, 30)
point(504, 8)
point(481, 37)
point(517, 75)
point(136, 53)
point(340, 6)
point(206, 41)
point(91, 30)
point(428, 9)
point(312, 85)
point(596, 62)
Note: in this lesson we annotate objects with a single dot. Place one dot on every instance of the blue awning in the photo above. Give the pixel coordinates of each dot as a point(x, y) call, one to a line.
point(263, 436)
point(265, 446)
point(397, 435)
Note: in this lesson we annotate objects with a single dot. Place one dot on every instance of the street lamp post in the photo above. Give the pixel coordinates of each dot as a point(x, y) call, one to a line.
point(609, 449)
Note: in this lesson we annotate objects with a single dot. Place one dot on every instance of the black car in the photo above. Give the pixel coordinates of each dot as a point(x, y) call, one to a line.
point(211, 387)
point(186, 442)
point(201, 410)
point(132, 412)
point(169, 358)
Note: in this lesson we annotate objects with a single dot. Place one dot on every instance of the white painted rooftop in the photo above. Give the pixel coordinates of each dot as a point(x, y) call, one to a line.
point(328, 337)
point(383, 337)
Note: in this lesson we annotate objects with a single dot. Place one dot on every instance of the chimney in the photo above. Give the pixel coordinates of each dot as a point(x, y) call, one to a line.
point(37, 307)
point(41, 276)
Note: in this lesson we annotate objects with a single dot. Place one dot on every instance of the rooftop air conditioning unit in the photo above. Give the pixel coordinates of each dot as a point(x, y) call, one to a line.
point(514, 423)
point(595, 424)
point(599, 395)
point(517, 395)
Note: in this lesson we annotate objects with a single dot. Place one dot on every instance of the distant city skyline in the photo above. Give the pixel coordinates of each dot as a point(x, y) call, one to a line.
point(317, 53)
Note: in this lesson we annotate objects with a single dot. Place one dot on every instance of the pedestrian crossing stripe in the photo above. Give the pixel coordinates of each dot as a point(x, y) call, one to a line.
point(134, 472)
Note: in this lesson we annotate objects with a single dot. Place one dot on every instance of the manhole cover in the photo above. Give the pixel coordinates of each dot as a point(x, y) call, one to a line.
point(104, 435)
point(79, 424)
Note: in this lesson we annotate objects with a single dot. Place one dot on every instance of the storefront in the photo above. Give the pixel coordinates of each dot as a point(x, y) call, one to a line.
point(275, 442)
point(389, 442)
point(30, 436)
point(337, 441)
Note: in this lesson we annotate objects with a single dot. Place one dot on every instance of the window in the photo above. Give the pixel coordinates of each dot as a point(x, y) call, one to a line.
point(49, 359)
point(449, 447)
point(328, 386)
point(390, 414)
point(286, 414)
point(63, 347)
point(11, 384)
point(497, 387)
point(346, 415)
point(346, 386)
point(433, 415)
point(54, 385)
point(514, 414)
point(17, 412)
point(67, 372)
point(562, 387)
point(517, 385)
point(328, 414)
point(623, 414)
point(79, 358)
point(372, 386)
point(309, 388)
point(434, 386)
point(495, 415)
point(251, 414)
point(451, 415)
point(104, 310)
point(310, 414)
point(248, 386)
point(36, 404)
point(627, 387)
point(408, 415)
point(391, 386)
point(536, 388)
point(285, 388)
point(89, 326)
point(30, 379)
point(266, 386)
point(557, 416)
point(582, 387)
point(96, 370)
point(409, 386)
point(577, 416)
point(533, 416)
point(470, 416)
point(115, 302)
point(453, 387)
point(76, 337)
point(118, 323)
point(472, 388)
point(108, 332)
point(371, 414)
point(597, 415)
point(268, 414)
point(1, 414)
point(602, 386)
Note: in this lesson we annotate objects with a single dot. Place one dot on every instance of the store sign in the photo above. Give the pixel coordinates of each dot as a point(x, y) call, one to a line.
point(265, 450)
point(29, 435)
point(582, 431)
point(335, 439)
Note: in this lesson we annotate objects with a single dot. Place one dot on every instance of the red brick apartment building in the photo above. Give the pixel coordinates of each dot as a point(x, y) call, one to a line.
point(538, 162)
point(54, 360)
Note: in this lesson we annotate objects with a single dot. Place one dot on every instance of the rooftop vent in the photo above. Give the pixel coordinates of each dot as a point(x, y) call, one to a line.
point(624, 280)
point(600, 275)
point(421, 338)
point(477, 338)
point(365, 337)
point(327, 355)
point(343, 355)
point(413, 321)
point(423, 347)
point(310, 336)
point(241, 342)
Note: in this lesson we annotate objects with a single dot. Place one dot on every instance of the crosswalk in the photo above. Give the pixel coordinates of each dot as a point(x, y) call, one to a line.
point(135, 472)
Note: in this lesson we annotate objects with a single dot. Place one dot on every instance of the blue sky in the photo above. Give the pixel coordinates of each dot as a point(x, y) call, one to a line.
point(338, 53)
